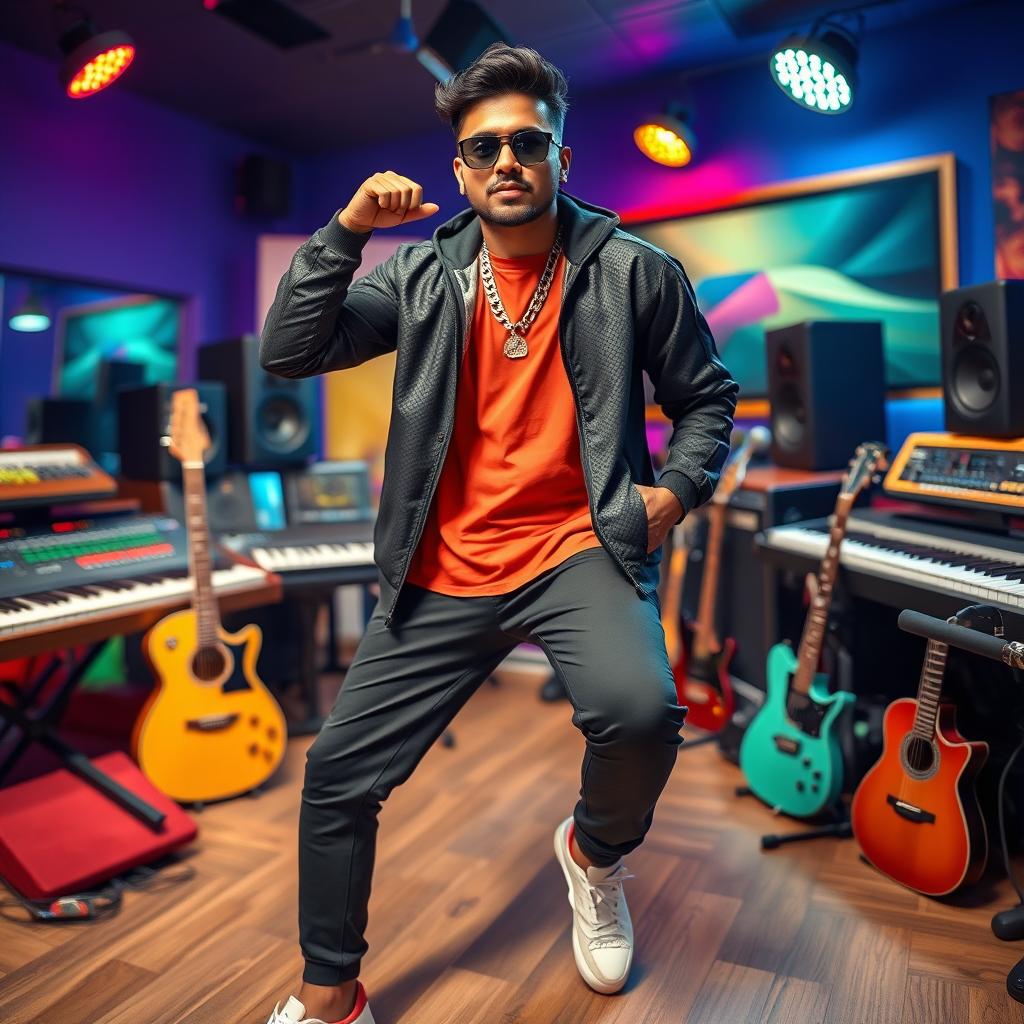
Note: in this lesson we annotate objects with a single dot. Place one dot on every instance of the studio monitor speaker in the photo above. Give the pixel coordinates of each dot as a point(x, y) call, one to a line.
point(272, 421)
point(114, 376)
point(983, 359)
point(229, 504)
point(143, 415)
point(826, 385)
point(60, 420)
point(263, 187)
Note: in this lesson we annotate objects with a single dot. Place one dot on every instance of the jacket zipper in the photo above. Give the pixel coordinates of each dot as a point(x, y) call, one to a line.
point(583, 444)
point(462, 332)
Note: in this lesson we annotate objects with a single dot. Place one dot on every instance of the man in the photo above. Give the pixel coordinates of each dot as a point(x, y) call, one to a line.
point(519, 501)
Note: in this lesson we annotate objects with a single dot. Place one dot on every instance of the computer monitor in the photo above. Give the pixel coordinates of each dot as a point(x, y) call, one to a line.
point(329, 492)
point(140, 329)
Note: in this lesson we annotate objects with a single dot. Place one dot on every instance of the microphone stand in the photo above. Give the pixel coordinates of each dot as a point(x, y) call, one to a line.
point(1006, 924)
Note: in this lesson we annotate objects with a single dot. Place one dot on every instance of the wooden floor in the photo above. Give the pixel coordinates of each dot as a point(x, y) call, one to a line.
point(469, 920)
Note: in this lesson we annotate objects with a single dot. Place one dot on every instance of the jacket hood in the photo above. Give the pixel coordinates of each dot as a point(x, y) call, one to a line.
point(458, 240)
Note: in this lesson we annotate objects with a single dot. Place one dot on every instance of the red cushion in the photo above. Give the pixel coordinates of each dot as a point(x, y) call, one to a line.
point(60, 835)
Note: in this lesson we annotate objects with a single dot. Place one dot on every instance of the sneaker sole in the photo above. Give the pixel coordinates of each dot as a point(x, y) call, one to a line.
point(597, 984)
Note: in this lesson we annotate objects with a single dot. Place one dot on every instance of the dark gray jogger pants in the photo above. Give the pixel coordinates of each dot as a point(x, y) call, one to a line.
point(406, 684)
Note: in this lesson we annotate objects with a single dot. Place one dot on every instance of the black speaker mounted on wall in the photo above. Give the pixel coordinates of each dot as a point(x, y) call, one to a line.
point(263, 187)
point(143, 415)
point(272, 421)
point(983, 359)
point(826, 385)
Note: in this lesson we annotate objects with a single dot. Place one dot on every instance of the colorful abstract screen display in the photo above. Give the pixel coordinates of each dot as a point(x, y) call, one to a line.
point(139, 329)
point(870, 251)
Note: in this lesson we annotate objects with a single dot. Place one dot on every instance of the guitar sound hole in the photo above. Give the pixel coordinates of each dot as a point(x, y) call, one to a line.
point(208, 663)
point(920, 755)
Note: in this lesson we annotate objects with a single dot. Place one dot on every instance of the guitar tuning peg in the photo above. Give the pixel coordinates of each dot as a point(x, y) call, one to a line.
point(165, 441)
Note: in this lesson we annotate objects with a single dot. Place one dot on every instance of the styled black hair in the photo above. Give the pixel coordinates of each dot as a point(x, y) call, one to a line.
point(502, 69)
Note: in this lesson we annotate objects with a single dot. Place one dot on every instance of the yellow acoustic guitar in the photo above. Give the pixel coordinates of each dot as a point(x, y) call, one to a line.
point(211, 729)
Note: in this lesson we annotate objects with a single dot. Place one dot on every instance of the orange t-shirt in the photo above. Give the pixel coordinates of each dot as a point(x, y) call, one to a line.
point(512, 499)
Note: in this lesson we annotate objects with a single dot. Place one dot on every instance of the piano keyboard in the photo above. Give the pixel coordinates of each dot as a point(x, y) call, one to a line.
point(960, 562)
point(310, 553)
point(75, 602)
point(312, 556)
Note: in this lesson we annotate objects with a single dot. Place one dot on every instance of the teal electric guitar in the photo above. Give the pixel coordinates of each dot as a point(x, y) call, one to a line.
point(789, 753)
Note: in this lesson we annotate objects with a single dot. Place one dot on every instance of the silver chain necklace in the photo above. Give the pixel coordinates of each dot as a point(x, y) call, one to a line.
point(515, 343)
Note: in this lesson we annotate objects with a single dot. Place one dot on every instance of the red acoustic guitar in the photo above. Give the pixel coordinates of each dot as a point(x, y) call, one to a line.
point(916, 813)
point(701, 669)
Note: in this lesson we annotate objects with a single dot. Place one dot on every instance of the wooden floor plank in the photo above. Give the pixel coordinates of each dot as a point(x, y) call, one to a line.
point(112, 983)
point(733, 993)
point(469, 920)
point(792, 1000)
point(931, 999)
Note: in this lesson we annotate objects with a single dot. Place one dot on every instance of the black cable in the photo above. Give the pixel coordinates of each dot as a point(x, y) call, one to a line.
point(94, 904)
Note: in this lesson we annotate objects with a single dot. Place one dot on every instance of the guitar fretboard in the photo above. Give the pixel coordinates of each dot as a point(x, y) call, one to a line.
point(929, 690)
point(817, 616)
point(199, 553)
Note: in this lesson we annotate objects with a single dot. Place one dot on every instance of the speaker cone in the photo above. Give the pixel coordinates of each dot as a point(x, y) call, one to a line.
point(975, 384)
point(970, 321)
point(282, 424)
point(789, 416)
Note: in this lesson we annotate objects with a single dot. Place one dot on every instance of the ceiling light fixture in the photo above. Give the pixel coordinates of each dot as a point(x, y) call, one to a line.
point(819, 70)
point(667, 138)
point(30, 316)
point(92, 59)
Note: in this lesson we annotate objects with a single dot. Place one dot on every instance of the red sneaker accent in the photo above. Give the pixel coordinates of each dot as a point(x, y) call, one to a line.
point(358, 1008)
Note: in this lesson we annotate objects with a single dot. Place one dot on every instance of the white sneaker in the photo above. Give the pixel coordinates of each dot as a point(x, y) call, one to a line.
point(294, 1011)
point(602, 932)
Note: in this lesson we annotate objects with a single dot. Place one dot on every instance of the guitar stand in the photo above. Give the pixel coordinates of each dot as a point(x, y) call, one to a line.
point(842, 828)
point(837, 830)
point(41, 728)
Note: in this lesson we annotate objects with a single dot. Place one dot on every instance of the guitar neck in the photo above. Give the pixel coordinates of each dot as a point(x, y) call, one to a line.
point(817, 615)
point(929, 689)
point(705, 639)
point(204, 601)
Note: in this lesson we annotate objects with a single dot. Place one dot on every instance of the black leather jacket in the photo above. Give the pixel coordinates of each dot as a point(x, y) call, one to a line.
point(626, 305)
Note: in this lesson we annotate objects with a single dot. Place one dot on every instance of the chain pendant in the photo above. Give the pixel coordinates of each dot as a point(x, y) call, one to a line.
point(515, 346)
point(515, 343)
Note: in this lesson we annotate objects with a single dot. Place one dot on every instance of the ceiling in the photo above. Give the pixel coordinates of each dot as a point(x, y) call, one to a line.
point(309, 99)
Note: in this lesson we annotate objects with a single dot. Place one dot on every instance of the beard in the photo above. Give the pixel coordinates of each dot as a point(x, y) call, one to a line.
point(514, 214)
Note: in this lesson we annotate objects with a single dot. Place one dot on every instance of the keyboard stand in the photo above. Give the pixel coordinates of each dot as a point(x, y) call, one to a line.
point(306, 608)
point(308, 601)
point(41, 728)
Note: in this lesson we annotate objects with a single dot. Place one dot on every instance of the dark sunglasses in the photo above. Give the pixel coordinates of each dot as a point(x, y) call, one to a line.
point(529, 147)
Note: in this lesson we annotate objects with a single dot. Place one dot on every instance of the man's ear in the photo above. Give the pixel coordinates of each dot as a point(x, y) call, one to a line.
point(565, 161)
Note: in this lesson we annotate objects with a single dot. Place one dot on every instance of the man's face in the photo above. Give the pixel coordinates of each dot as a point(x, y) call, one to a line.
point(538, 183)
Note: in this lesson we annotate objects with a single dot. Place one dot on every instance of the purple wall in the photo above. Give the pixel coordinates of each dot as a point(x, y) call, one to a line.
point(925, 89)
point(119, 191)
